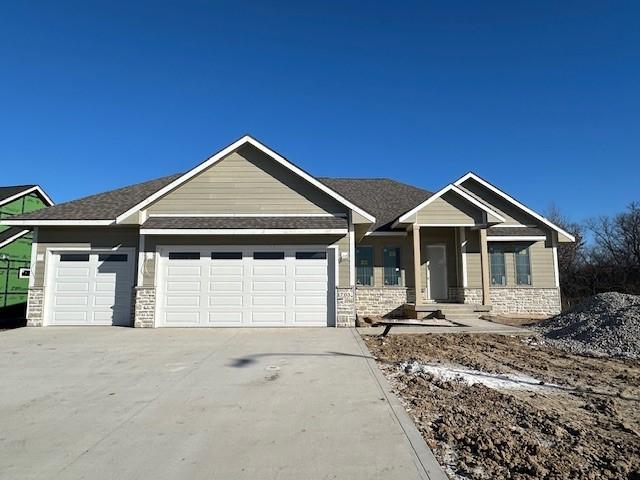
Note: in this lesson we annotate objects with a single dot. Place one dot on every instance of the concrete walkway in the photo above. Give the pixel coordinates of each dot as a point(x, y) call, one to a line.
point(464, 326)
point(119, 403)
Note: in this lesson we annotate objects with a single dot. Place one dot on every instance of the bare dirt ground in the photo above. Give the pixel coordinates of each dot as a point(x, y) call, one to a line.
point(569, 417)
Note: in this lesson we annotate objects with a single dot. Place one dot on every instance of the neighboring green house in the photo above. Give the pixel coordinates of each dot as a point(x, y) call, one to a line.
point(15, 242)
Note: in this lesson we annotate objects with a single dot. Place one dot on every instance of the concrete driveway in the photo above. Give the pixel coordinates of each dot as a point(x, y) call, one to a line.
point(119, 403)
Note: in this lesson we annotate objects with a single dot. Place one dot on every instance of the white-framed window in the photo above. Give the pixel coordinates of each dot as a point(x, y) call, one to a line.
point(364, 265)
point(523, 265)
point(24, 273)
point(497, 265)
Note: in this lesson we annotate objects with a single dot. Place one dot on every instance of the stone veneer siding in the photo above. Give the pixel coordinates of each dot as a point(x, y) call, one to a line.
point(346, 310)
point(35, 302)
point(514, 301)
point(382, 301)
point(145, 307)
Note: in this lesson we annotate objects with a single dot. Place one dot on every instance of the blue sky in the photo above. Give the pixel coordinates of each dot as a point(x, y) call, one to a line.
point(541, 98)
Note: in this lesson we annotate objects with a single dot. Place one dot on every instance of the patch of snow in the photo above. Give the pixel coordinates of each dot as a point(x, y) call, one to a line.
point(453, 373)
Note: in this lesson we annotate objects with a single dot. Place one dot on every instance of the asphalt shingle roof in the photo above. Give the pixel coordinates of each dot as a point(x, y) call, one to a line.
point(384, 198)
point(102, 206)
point(515, 232)
point(245, 222)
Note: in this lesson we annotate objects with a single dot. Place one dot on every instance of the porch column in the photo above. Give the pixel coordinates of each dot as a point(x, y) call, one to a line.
point(484, 261)
point(417, 273)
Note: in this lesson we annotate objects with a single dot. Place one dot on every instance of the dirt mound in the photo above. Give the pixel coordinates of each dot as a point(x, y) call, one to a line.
point(605, 324)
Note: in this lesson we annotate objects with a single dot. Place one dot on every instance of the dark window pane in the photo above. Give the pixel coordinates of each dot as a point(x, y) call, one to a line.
point(311, 255)
point(226, 255)
point(497, 265)
point(391, 262)
point(523, 266)
point(268, 255)
point(184, 255)
point(74, 257)
point(110, 257)
point(364, 266)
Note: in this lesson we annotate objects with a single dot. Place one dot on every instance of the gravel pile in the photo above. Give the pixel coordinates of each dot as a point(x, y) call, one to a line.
point(605, 324)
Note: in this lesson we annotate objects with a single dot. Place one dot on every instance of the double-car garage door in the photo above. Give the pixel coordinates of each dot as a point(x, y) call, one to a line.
point(244, 286)
point(197, 287)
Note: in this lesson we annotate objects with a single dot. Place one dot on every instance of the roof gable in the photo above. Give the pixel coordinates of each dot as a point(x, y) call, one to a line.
point(472, 177)
point(11, 193)
point(247, 181)
point(223, 154)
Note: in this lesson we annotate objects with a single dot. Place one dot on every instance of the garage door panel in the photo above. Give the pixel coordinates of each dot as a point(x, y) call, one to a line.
point(86, 291)
point(269, 270)
point(77, 272)
point(225, 318)
point(182, 301)
point(259, 286)
point(268, 317)
point(71, 287)
point(193, 271)
point(225, 286)
point(271, 300)
point(226, 271)
point(249, 286)
point(225, 301)
point(183, 287)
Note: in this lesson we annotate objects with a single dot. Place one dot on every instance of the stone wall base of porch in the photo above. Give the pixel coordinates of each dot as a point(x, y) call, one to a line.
point(514, 301)
point(387, 302)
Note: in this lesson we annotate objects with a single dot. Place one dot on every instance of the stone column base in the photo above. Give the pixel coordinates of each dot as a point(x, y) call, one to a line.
point(346, 307)
point(35, 307)
point(145, 307)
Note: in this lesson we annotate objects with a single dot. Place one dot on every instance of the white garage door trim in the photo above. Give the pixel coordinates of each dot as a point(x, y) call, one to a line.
point(162, 252)
point(49, 283)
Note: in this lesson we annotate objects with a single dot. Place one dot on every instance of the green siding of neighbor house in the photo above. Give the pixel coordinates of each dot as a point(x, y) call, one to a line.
point(13, 289)
point(246, 182)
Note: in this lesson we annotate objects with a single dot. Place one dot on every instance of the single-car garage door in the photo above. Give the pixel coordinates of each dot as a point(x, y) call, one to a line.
point(245, 286)
point(89, 288)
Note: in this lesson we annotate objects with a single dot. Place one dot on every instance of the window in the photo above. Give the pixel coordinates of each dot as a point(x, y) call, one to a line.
point(226, 255)
point(184, 255)
point(24, 273)
point(497, 266)
point(74, 257)
point(311, 255)
point(268, 255)
point(110, 257)
point(364, 266)
point(391, 263)
point(523, 266)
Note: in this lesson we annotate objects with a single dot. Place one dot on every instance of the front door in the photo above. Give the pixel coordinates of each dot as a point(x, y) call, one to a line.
point(437, 272)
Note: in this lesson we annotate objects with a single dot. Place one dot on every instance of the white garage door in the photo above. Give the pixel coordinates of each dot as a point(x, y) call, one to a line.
point(245, 286)
point(90, 288)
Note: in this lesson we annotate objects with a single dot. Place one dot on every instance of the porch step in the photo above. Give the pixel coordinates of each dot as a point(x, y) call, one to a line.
point(448, 311)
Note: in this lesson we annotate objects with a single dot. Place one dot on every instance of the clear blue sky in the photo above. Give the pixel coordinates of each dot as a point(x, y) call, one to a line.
point(541, 98)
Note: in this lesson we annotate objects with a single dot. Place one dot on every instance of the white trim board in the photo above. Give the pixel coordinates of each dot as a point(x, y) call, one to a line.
point(519, 238)
point(226, 151)
point(513, 201)
point(247, 215)
point(27, 191)
point(243, 231)
point(449, 188)
point(14, 238)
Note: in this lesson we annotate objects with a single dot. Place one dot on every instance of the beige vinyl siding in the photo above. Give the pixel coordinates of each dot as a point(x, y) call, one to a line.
point(542, 265)
point(153, 241)
point(474, 266)
point(512, 214)
point(246, 182)
point(80, 237)
point(449, 209)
